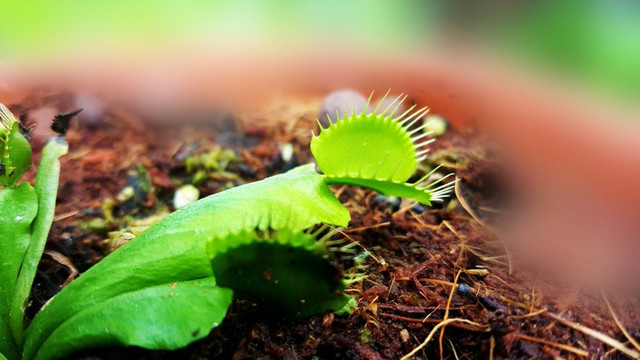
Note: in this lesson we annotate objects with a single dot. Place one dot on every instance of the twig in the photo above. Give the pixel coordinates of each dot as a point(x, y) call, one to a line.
point(362, 247)
point(446, 311)
point(65, 215)
point(619, 323)
point(367, 227)
point(465, 205)
point(553, 344)
point(492, 346)
point(64, 261)
point(435, 329)
point(597, 335)
point(531, 314)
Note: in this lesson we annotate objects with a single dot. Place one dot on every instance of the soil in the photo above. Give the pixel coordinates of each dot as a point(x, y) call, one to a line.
point(426, 264)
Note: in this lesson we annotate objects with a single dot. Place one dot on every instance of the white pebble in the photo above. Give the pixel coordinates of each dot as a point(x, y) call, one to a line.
point(435, 124)
point(185, 195)
point(286, 151)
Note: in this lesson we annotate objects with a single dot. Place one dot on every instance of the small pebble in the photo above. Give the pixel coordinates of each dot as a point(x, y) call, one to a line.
point(404, 335)
point(246, 170)
point(465, 290)
point(418, 208)
point(340, 101)
point(125, 194)
point(390, 202)
point(452, 205)
point(435, 124)
point(185, 195)
point(91, 212)
point(286, 152)
point(288, 157)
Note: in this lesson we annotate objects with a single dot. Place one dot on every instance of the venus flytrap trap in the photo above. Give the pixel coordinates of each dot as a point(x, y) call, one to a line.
point(380, 151)
point(269, 241)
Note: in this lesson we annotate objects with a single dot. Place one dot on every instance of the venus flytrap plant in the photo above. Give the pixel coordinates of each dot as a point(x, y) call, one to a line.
point(267, 241)
point(192, 244)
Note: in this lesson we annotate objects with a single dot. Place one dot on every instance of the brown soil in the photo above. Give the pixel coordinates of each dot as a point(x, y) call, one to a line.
point(425, 265)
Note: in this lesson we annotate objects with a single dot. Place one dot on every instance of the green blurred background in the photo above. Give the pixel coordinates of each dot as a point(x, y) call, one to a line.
point(596, 42)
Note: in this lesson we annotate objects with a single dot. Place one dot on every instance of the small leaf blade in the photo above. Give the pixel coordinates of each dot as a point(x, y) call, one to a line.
point(18, 208)
point(162, 317)
point(46, 188)
point(152, 259)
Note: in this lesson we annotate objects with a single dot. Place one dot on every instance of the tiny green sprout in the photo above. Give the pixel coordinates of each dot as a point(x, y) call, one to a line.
point(379, 150)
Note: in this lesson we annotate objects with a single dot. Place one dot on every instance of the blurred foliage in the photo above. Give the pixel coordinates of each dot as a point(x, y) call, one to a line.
point(596, 40)
point(38, 26)
point(211, 164)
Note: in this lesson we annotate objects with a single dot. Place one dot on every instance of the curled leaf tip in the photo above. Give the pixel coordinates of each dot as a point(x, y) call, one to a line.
point(61, 121)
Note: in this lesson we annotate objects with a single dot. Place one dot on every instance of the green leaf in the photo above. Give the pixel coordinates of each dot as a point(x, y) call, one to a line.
point(384, 187)
point(18, 208)
point(46, 188)
point(289, 272)
point(173, 250)
point(167, 316)
point(15, 152)
point(377, 150)
point(155, 258)
point(296, 200)
point(425, 194)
